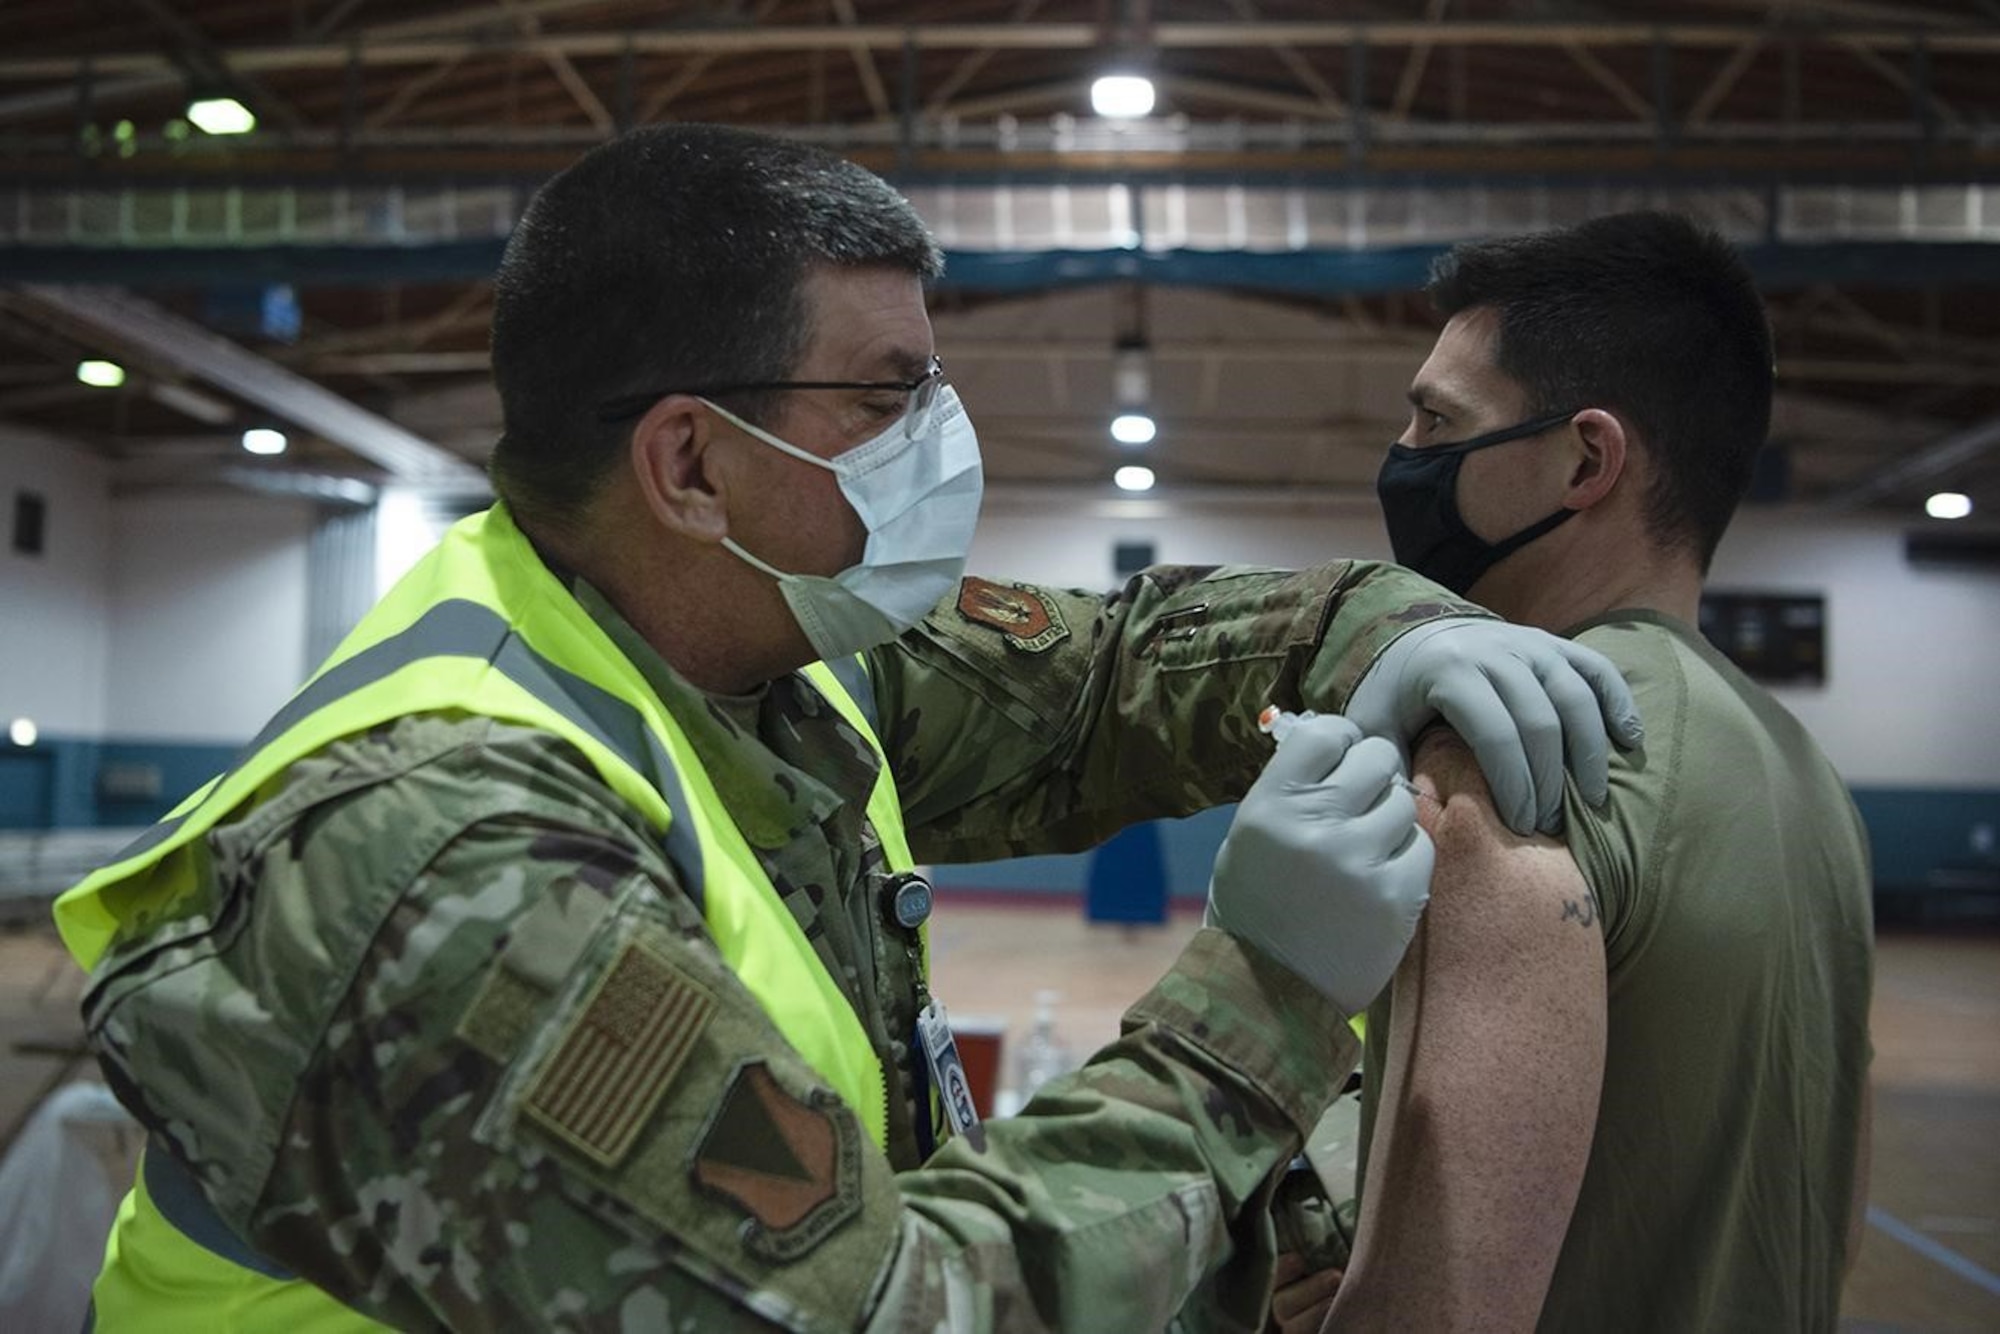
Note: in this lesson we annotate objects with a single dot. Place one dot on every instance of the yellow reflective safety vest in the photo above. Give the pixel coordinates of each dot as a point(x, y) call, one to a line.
point(480, 626)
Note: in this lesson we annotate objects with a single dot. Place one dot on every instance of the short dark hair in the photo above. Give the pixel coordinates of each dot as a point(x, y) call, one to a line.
point(1646, 315)
point(672, 257)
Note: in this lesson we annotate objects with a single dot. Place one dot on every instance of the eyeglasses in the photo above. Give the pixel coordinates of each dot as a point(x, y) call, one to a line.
point(915, 416)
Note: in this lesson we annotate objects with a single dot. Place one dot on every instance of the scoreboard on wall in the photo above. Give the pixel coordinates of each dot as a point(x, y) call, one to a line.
point(1778, 638)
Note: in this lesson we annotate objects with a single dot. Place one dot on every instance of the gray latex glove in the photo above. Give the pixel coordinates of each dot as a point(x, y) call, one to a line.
point(1520, 697)
point(1324, 868)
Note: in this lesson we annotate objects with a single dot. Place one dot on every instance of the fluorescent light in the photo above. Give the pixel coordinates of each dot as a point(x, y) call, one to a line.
point(1948, 505)
point(264, 440)
point(192, 402)
point(22, 731)
point(1122, 96)
point(1133, 479)
point(317, 486)
point(100, 374)
point(221, 115)
point(1133, 428)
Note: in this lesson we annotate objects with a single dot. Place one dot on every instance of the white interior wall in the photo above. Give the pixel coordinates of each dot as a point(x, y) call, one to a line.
point(190, 624)
point(54, 608)
point(1069, 544)
point(1911, 651)
point(208, 614)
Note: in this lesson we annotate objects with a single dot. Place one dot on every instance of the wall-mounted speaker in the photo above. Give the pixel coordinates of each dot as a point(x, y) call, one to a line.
point(31, 519)
point(1128, 558)
point(1965, 548)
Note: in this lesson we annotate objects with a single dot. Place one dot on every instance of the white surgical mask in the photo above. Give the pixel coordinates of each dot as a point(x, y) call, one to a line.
point(919, 498)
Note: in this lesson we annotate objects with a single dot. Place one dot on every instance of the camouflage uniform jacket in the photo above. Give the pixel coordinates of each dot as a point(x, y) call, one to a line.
point(411, 921)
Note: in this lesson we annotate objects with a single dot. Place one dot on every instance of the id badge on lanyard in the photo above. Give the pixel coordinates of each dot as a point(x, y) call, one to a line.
point(954, 1090)
point(907, 901)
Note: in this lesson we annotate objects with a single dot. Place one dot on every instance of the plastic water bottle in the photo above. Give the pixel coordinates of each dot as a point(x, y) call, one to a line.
point(1043, 1055)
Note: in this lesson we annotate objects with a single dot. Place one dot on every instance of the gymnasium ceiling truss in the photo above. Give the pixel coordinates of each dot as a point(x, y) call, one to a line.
point(1296, 178)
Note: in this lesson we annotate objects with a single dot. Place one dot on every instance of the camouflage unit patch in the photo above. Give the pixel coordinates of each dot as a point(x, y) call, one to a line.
point(1031, 622)
point(619, 1056)
point(793, 1166)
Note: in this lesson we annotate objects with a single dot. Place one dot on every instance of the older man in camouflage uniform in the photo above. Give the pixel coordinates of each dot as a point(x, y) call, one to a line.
point(364, 1027)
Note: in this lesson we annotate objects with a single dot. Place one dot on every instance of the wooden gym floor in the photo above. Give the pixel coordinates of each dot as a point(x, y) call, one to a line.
point(1930, 1263)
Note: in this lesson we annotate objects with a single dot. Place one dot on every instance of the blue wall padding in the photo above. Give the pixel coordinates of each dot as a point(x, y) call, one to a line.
point(1187, 852)
point(76, 782)
point(26, 780)
point(1128, 878)
point(1777, 266)
point(75, 800)
point(183, 768)
point(1923, 838)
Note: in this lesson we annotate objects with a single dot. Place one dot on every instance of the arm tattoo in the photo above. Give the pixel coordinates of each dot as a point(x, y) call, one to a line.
point(1584, 912)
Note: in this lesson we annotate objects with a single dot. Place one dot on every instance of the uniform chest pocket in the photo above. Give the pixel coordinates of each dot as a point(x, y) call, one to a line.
point(1239, 619)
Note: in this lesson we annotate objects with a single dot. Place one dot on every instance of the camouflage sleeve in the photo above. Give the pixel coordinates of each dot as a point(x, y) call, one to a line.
point(1022, 719)
point(542, 1100)
point(1141, 1185)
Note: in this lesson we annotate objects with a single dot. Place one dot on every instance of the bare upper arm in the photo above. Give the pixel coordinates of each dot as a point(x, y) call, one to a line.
point(1480, 857)
point(1489, 1093)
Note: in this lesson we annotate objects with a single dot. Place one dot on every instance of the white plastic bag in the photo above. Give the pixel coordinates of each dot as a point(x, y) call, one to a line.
point(59, 1190)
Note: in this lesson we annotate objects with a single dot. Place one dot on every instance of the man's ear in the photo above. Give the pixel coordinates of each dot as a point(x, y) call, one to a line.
point(675, 467)
point(1602, 447)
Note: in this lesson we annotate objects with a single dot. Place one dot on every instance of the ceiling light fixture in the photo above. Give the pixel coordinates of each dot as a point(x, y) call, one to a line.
point(264, 440)
point(204, 408)
point(1133, 428)
point(100, 374)
point(1948, 505)
point(23, 732)
point(220, 115)
point(1121, 96)
point(1132, 374)
point(1133, 478)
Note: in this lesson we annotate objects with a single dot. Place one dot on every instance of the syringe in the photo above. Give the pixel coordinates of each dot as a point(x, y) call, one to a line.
point(1278, 723)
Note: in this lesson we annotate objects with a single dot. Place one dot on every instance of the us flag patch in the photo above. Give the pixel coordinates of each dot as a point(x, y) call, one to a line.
point(612, 1067)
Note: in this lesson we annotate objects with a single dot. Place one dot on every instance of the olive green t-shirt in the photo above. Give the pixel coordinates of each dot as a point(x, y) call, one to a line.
point(1732, 882)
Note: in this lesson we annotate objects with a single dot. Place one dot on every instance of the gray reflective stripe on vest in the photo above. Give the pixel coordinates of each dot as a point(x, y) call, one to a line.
point(461, 629)
point(178, 1197)
point(852, 674)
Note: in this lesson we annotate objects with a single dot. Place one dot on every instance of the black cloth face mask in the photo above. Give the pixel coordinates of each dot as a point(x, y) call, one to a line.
point(1418, 489)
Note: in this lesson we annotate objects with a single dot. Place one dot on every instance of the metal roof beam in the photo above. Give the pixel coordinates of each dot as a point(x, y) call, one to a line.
point(1954, 451)
point(427, 50)
point(688, 74)
point(411, 90)
point(1413, 68)
point(864, 61)
point(1299, 67)
point(1252, 96)
point(1920, 95)
point(168, 339)
point(940, 99)
point(566, 73)
point(47, 101)
point(202, 55)
point(1608, 79)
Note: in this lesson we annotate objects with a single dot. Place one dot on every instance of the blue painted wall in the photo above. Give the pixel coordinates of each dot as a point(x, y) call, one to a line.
point(75, 797)
point(1924, 838)
point(1187, 847)
point(27, 780)
point(1897, 264)
point(1931, 838)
